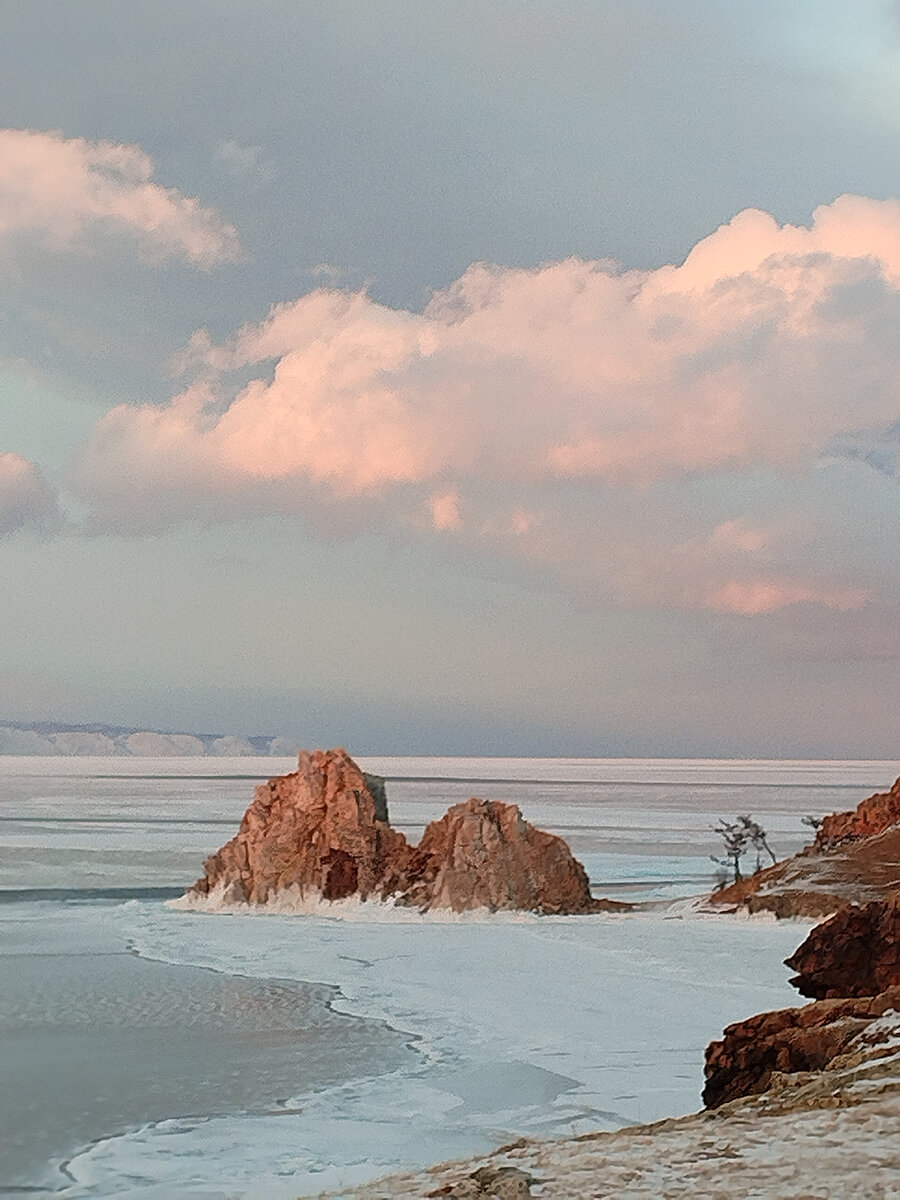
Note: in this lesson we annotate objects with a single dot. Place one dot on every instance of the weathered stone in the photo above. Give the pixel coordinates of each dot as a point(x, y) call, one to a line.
point(870, 818)
point(489, 1183)
point(484, 854)
point(317, 830)
point(850, 965)
point(855, 953)
point(790, 1040)
point(378, 792)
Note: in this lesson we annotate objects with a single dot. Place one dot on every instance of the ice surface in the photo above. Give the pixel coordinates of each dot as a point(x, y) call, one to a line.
point(89, 822)
point(519, 1024)
point(523, 1024)
point(820, 1153)
point(97, 1041)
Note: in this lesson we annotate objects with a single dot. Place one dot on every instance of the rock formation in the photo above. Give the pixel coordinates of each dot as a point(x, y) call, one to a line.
point(855, 859)
point(791, 1040)
point(318, 830)
point(869, 819)
point(323, 831)
point(483, 854)
point(850, 966)
point(855, 953)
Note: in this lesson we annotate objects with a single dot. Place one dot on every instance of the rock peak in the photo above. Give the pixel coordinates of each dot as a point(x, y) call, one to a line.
point(484, 854)
point(318, 829)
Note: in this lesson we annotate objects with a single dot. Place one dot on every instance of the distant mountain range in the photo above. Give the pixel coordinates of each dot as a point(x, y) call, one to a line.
point(51, 737)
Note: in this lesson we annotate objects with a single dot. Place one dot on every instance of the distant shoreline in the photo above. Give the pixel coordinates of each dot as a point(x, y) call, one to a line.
point(51, 738)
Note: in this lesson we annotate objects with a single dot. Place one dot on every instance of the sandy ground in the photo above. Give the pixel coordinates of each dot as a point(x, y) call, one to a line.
point(834, 1135)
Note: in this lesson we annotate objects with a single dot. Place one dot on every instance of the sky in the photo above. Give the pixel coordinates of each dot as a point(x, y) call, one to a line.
point(454, 376)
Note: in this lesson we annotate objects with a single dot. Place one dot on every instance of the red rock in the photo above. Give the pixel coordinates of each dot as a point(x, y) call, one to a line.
point(484, 854)
point(868, 819)
point(850, 966)
point(323, 831)
point(786, 1041)
point(316, 829)
point(855, 953)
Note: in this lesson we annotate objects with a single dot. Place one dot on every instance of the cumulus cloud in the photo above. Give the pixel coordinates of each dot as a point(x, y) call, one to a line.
point(26, 499)
point(62, 192)
point(557, 415)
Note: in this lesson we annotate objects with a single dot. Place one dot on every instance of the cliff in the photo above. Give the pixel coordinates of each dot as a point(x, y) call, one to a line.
point(317, 830)
point(483, 854)
point(855, 953)
point(850, 966)
point(869, 819)
point(752, 1052)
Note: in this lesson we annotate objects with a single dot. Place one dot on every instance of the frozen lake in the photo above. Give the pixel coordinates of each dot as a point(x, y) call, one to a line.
point(157, 1052)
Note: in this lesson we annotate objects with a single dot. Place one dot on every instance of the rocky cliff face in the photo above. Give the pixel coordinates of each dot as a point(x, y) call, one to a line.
point(855, 953)
point(871, 818)
point(850, 966)
point(323, 831)
point(814, 1038)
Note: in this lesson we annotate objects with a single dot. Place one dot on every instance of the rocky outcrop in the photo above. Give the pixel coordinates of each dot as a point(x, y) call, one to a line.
point(788, 1041)
point(855, 953)
point(850, 966)
point(488, 1183)
point(318, 830)
point(855, 859)
point(869, 819)
point(323, 831)
point(484, 854)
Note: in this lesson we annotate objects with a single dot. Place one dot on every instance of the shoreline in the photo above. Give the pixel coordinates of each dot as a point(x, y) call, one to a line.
point(834, 1134)
point(102, 1041)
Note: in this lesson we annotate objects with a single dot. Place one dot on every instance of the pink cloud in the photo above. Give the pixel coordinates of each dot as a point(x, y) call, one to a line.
point(62, 191)
point(753, 597)
point(637, 559)
point(548, 391)
point(445, 510)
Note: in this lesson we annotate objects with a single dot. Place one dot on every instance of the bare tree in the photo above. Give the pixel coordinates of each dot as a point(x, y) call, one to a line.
point(758, 839)
point(734, 841)
point(738, 836)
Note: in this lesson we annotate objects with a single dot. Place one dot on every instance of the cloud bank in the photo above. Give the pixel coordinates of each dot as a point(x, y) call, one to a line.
point(61, 193)
point(608, 427)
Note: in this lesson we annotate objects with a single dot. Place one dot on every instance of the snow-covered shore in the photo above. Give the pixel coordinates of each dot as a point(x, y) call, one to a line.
point(824, 1135)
